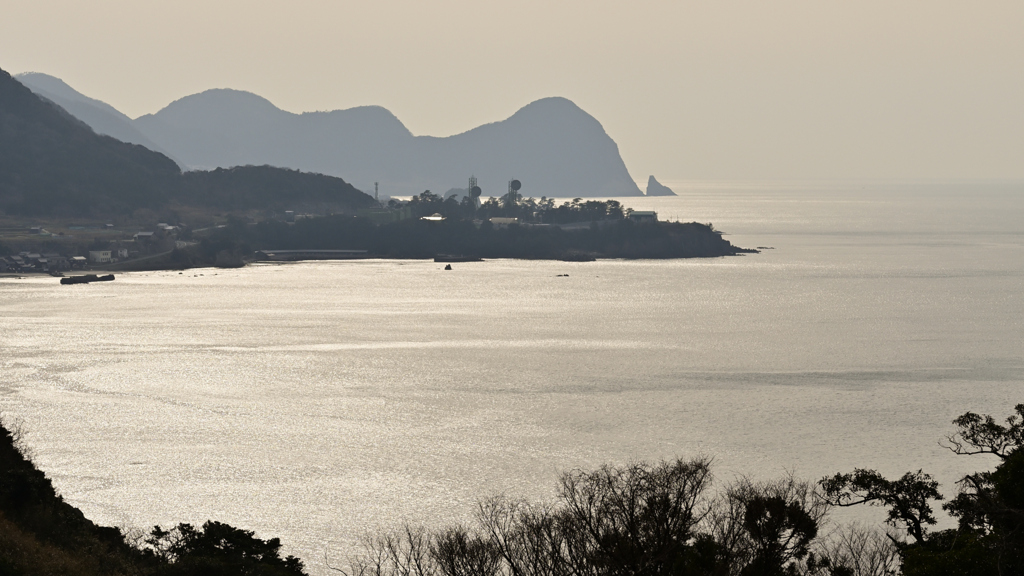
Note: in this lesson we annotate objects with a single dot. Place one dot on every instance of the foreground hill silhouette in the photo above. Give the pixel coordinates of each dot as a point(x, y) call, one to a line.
point(667, 519)
point(52, 164)
point(100, 116)
point(42, 534)
point(552, 146)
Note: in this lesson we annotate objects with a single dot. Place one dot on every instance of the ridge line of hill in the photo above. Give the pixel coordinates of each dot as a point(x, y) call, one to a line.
point(52, 164)
point(551, 145)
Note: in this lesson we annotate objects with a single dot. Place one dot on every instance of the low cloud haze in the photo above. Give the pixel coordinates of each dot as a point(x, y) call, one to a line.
point(688, 90)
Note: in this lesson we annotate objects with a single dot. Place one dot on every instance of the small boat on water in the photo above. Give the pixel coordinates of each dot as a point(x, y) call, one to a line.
point(577, 257)
point(456, 258)
point(87, 279)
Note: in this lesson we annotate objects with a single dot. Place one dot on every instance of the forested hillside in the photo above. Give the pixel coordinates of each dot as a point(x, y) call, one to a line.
point(270, 188)
point(51, 164)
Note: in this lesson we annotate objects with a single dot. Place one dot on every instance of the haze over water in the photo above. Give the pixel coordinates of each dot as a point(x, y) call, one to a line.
point(315, 401)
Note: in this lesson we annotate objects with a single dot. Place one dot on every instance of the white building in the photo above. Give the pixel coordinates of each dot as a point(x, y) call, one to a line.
point(503, 222)
point(100, 256)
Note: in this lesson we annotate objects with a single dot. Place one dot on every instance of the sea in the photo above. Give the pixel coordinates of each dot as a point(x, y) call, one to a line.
point(321, 402)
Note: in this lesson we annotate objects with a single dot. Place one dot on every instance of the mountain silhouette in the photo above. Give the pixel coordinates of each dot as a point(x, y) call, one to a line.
point(100, 116)
point(224, 128)
point(52, 163)
point(552, 146)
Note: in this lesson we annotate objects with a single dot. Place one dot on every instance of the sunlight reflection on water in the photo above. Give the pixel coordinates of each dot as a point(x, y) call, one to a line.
point(315, 401)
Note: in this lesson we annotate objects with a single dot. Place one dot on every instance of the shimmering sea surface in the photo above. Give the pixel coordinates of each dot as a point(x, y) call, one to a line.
point(317, 401)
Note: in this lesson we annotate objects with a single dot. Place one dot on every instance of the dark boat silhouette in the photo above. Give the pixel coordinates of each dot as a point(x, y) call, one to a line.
point(87, 279)
point(456, 258)
point(575, 256)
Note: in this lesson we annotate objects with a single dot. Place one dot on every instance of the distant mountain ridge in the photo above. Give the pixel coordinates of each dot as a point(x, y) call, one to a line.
point(53, 164)
point(98, 115)
point(552, 146)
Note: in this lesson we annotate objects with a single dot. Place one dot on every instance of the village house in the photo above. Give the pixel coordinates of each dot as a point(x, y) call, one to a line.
point(100, 256)
point(56, 261)
point(643, 216)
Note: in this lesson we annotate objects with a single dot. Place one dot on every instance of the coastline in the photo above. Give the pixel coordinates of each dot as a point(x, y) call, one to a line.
point(425, 227)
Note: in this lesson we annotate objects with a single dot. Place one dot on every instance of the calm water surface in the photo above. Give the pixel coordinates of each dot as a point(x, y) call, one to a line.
point(316, 401)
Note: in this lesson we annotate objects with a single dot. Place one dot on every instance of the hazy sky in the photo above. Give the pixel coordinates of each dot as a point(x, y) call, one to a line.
point(690, 90)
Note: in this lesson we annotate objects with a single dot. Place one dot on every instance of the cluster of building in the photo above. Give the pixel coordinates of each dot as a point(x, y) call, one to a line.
point(56, 262)
point(45, 262)
point(639, 216)
point(164, 237)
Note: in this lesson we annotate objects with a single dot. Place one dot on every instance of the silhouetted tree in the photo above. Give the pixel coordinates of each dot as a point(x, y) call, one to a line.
point(638, 519)
point(907, 498)
point(218, 549)
point(980, 434)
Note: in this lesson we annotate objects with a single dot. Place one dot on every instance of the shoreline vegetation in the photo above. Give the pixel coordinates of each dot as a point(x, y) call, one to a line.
point(424, 227)
point(447, 239)
point(658, 519)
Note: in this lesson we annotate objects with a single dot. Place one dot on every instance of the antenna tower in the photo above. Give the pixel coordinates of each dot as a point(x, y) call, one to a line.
point(473, 191)
point(513, 191)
